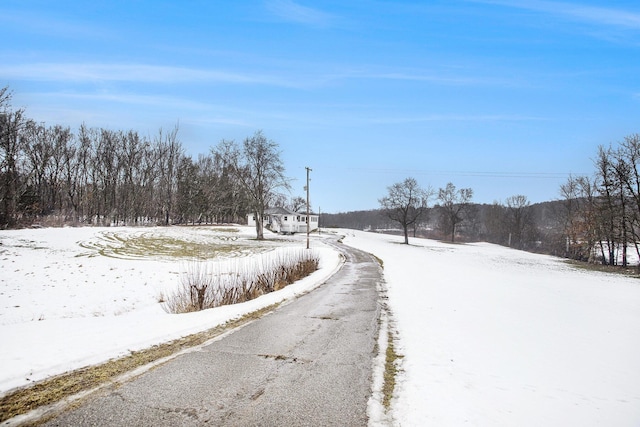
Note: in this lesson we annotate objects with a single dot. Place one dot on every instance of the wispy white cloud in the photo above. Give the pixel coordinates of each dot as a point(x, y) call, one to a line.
point(436, 78)
point(52, 26)
point(134, 111)
point(577, 12)
point(443, 75)
point(295, 76)
point(139, 73)
point(80, 72)
point(291, 11)
point(124, 98)
point(458, 118)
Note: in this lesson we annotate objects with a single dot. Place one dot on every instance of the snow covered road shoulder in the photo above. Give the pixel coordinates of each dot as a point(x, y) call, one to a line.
point(499, 337)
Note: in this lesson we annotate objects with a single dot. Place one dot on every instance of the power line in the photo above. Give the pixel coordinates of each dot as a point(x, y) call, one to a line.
point(484, 174)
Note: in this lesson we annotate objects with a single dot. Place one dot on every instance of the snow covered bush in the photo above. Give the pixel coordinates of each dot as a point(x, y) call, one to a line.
point(207, 284)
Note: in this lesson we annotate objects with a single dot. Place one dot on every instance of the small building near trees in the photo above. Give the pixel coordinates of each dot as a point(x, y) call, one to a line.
point(281, 220)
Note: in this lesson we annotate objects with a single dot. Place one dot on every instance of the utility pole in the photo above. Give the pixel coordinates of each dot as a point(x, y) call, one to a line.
point(308, 217)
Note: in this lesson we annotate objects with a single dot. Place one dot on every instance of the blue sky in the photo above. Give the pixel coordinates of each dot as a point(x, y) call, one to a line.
point(505, 97)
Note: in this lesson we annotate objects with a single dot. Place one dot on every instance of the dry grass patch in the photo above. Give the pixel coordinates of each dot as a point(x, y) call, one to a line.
point(390, 372)
point(630, 271)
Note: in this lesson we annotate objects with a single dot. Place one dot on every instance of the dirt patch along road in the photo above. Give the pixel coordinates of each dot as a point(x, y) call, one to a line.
point(307, 363)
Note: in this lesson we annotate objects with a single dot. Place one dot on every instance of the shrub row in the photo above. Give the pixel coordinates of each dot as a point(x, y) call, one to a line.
point(207, 284)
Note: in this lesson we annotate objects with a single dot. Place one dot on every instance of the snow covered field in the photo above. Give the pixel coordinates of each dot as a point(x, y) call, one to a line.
point(490, 336)
point(70, 297)
point(498, 337)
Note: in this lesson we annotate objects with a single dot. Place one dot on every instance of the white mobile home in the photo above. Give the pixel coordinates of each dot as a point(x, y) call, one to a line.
point(281, 220)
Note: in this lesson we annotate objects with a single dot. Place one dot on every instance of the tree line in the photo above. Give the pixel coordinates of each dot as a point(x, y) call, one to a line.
point(101, 176)
point(596, 218)
point(516, 222)
point(454, 215)
point(601, 215)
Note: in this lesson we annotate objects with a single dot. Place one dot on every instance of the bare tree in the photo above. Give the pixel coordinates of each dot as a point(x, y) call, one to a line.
point(519, 220)
point(38, 152)
point(495, 224)
point(106, 173)
point(210, 179)
point(11, 123)
point(609, 215)
point(298, 203)
point(627, 166)
point(60, 138)
point(169, 154)
point(131, 152)
point(405, 203)
point(258, 168)
point(88, 140)
point(579, 217)
point(5, 98)
point(572, 217)
point(454, 205)
point(230, 199)
point(72, 178)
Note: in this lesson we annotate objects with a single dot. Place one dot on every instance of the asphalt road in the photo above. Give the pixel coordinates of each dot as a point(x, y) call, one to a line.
point(306, 364)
